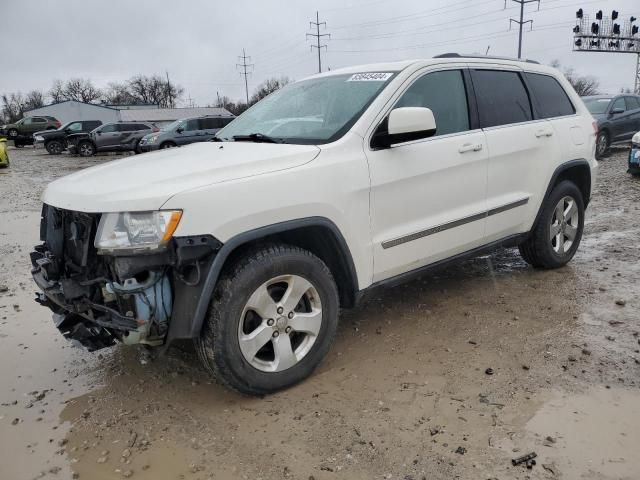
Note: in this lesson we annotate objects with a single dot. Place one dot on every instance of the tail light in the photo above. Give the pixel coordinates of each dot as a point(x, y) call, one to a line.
point(595, 127)
point(57, 124)
point(155, 129)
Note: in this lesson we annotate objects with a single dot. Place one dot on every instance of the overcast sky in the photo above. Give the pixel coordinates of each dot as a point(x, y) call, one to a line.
point(198, 41)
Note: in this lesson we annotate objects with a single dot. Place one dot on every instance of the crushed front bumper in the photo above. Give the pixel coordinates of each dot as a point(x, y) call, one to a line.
point(97, 300)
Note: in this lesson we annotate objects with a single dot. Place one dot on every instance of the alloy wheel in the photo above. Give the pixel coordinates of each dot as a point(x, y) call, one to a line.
point(280, 323)
point(602, 144)
point(564, 225)
point(86, 150)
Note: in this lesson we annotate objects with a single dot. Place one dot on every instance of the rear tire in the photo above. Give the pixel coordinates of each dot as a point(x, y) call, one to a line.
point(602, 144)
point(556, 236)
point(271, 321)
point(54, 147)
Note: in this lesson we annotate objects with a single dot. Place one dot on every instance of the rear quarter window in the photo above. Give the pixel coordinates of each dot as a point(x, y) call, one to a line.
point(502, 97)
point(548, 96)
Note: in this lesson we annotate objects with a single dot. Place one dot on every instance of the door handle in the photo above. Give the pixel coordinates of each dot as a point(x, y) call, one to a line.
point(470, 147)
point(544, 133)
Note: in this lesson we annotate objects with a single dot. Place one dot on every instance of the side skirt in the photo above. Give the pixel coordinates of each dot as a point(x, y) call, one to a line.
point(507, 242)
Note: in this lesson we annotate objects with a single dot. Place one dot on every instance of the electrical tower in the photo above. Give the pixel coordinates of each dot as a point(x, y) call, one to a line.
point(318, 36)
point(244, 65)
point(522, 21)
point(608, 35)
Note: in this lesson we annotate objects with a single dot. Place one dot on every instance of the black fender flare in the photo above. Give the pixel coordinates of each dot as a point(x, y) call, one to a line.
point(228, 247)
point(554, 177)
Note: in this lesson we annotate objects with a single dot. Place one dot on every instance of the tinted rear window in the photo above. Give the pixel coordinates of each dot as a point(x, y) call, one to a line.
point(502, 97)
point(548, 96)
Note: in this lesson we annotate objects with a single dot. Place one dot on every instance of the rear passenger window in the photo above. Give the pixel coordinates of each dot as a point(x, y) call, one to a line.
point(548, 96)
point(210, 123)
point(632, 103)
point(502, 98)
point(445, 95)
point(619, 104)
point(193, 124)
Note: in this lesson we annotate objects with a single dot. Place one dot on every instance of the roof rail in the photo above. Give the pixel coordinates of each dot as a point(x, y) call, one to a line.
point(464, 55)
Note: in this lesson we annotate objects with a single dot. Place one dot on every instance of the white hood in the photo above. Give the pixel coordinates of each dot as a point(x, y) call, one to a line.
point(145, 182)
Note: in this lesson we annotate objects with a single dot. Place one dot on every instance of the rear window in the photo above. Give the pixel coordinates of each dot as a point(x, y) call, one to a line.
point(39, 120)
point(549, 98)
point(502, 97)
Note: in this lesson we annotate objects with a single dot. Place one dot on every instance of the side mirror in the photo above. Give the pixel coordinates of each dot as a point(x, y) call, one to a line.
point(99, 132)
point(617, 111)
point(405, 124)
point(179, 130)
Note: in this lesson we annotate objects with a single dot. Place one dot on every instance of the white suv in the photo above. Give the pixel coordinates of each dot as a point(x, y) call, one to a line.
point(334, 185)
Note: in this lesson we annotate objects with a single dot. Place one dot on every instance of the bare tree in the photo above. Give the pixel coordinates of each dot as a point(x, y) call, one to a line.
point(154, 90)
point(268, 87)
point(81, 90)
point(583, 85)
point(57, 92)
point(34, 99)
point(119, 94)
point(12, 107)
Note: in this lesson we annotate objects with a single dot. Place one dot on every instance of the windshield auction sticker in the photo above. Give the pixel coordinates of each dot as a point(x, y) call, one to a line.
point(370, 77)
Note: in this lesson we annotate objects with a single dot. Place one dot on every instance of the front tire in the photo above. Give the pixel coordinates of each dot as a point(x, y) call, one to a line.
point(557, 234)
point(13, 133)
point(86, 149)
point(167, 145)
point(54, 147)
point(602, 144)
point(272, 319)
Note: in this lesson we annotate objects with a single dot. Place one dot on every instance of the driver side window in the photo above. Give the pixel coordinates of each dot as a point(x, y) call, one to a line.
point(109, 128)
point(619, 103)
point(444, 93)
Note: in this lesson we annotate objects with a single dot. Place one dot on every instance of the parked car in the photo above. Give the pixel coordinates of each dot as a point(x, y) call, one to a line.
point(110, 137)
point(250, 246)
point(4, 154)
point(634, 155)
point(183, 132)
point(55, 141)
point(618, 118)
point(22, 131)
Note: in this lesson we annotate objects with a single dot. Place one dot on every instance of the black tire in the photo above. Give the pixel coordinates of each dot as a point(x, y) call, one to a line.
point(12, 133)
point(86, 149)
point(18, 144)
point(219, 346)
point(54, 147)
point(167, 145)
point(538, 250)
point(602, 144)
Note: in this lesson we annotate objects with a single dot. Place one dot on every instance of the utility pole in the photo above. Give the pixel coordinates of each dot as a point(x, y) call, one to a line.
point(168, 92)
point(522, 21)
point(318, 36)
point(244, 72)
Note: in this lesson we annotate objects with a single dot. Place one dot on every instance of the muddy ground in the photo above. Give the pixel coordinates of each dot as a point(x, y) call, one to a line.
point(403, 394)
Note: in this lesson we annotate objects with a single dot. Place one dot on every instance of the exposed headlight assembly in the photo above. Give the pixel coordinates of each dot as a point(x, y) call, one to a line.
point(136, 232)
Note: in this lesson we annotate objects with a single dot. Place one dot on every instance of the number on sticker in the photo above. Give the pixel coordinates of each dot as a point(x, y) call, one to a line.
point(370, 77)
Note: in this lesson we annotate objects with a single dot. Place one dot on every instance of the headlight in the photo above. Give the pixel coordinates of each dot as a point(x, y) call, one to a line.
point(152, 139)
point(136, 231)
point(39, 138)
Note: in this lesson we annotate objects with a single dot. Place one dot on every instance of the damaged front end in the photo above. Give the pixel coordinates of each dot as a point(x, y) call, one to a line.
point(99, 297)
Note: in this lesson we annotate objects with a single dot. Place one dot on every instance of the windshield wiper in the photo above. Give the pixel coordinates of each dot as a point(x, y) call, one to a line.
point(258, 138)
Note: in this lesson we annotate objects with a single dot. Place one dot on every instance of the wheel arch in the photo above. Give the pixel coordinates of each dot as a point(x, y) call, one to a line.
point(577, 171)
point(319, 235)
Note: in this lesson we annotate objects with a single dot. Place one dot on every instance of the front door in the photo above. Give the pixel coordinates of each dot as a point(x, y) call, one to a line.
point(107, 136)
point(428, 196)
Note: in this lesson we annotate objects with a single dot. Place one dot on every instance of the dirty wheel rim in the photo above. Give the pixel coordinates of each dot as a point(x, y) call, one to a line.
point(86, 150)
point(602, 144)
point(280, 323)
point(13, 133)
point(564, 225)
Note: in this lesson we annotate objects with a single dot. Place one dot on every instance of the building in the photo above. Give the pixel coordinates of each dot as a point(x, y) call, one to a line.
point(71, 110)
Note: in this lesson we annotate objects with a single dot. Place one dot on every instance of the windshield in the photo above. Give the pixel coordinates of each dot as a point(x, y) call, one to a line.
point(597, 105)
point(172, 126)
point(313, 111)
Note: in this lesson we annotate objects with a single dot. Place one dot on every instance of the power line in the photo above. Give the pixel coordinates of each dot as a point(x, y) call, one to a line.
point(522, 21)
point(318, 36)
point(244, 72)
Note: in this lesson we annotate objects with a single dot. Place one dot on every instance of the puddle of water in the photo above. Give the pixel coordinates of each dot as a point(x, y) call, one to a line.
point(598, 434)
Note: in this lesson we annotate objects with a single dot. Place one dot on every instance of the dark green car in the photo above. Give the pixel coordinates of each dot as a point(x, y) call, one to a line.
point(22, 131)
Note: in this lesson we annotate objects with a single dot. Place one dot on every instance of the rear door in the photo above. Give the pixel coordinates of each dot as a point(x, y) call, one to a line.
point(210, 125)
point(622, 123)
point(34, 124)
point(518, 146)
point(633, 107)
